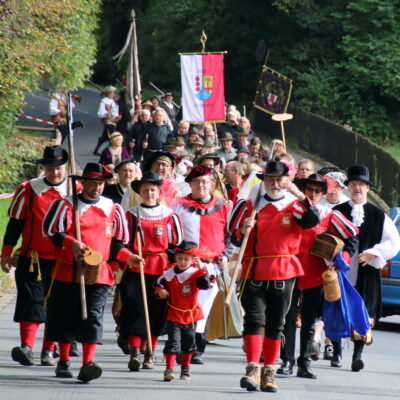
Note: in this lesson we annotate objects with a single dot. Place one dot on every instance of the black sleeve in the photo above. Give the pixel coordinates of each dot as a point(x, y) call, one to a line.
point(351, 245)
point(13, 231)
point(203, 282)
point(57, 239)
point(310, 218)
point(116, 246)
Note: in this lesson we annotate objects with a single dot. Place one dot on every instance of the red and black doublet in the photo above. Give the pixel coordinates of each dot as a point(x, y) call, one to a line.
point(37, 253)
point(184, 308)
point(205, 223)
point(161, 229)
point(270, 266)
point(103, 228)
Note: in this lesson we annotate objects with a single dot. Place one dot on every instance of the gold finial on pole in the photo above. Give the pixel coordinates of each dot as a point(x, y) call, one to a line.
point(203, 40)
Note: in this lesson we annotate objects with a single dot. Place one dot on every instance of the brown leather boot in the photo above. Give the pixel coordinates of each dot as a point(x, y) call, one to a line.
point(267, 383)
point(134, 361)
point(251, 381)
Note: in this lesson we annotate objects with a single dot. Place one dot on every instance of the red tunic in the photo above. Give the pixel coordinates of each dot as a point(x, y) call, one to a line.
point(204, 224)
point(183, 304)
point(30, 204)
point(161, 228)
point(332, 222)
point(271, 251)
point(99, 222)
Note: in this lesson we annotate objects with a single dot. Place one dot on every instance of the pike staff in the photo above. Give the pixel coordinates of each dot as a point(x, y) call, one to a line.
point(139, 241)
point(243, 248)
point(78, 260)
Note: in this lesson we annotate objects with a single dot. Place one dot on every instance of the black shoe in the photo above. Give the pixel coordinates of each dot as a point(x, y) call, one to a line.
point(89, 372)
point(305, 372)
point(357, 365)
point(63, 370)
point(185, 372)
point(47, 358)
point(123, 344)
point(285, 369)
point(315, 351)
point(336, 361)
point(23, 355)
point(134, 361)
point(328, 352)
point(197, 359)
point(56, 351)
point(73, 351)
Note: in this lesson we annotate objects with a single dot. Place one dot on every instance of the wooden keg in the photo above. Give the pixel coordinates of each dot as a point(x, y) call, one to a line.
point(331, 284)
point(92, 263)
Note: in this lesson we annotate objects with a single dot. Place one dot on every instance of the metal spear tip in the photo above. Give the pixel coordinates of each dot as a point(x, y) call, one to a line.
point(282, 117)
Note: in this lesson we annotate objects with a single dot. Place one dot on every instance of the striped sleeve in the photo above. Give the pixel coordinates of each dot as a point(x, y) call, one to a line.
point(298, 210)
point(120, 226)
point(174, 227)
point(341, 226)
point(19, 202)
point(58, 218)
point(241, 210)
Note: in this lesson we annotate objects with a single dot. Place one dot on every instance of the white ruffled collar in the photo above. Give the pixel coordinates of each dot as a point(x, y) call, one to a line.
point(39, 186)
point(104, 204)
point(182, 276)
point(151, 214)
point(357, 213)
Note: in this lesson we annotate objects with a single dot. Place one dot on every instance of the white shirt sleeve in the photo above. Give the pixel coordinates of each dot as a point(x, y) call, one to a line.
point(388, 247)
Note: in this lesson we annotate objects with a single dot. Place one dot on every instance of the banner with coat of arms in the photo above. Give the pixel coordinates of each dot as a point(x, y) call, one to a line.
point(273, 93)
point(203, 96)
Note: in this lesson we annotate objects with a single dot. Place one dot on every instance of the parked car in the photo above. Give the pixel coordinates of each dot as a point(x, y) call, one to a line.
point(391, 277)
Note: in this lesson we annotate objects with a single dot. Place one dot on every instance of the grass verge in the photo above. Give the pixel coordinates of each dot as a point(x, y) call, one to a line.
point(6, 280)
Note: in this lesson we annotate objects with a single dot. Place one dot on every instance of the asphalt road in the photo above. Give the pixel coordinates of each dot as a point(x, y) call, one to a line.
point(218, 378)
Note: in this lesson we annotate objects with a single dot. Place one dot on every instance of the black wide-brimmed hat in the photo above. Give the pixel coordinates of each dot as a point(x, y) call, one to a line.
point(148, 177)
point(358, 173)
point(162, 155)
point(313, 179)
point(95, 172)
point(274, 168)
point(53, 156)
point(120, 164)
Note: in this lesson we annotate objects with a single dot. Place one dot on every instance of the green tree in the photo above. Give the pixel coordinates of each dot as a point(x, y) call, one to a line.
point(43, 41)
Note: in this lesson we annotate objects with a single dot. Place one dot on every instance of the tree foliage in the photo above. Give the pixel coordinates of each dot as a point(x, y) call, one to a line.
point(43, 41)
point(342, 55)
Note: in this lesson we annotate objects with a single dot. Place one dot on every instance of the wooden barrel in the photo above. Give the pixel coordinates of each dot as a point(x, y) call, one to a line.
point(92, 263)
point(327, 246)
point(331, 285)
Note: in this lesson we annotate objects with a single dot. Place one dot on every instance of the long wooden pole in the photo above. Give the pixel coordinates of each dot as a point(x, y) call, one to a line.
point(242, 249)
point(76, 211)
point(144, 293)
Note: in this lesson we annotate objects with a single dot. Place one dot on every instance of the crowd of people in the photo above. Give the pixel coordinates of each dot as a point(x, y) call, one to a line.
point(158, 219)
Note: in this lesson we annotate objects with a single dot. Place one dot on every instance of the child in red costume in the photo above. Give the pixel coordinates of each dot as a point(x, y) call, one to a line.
point(183, 280)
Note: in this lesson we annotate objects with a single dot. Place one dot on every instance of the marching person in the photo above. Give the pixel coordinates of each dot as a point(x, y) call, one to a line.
point(181, 284)
point(379, 241)
point(103, 231)
point(162, 163)
point(270, 267)
point(127, 171)
point(37, 254)
point(159, 228)
point(204, 219)
point(58, 107)
point(115, 152)
point(108, 112)
point(138, 135)
point(310, 284)
point(170, 108)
